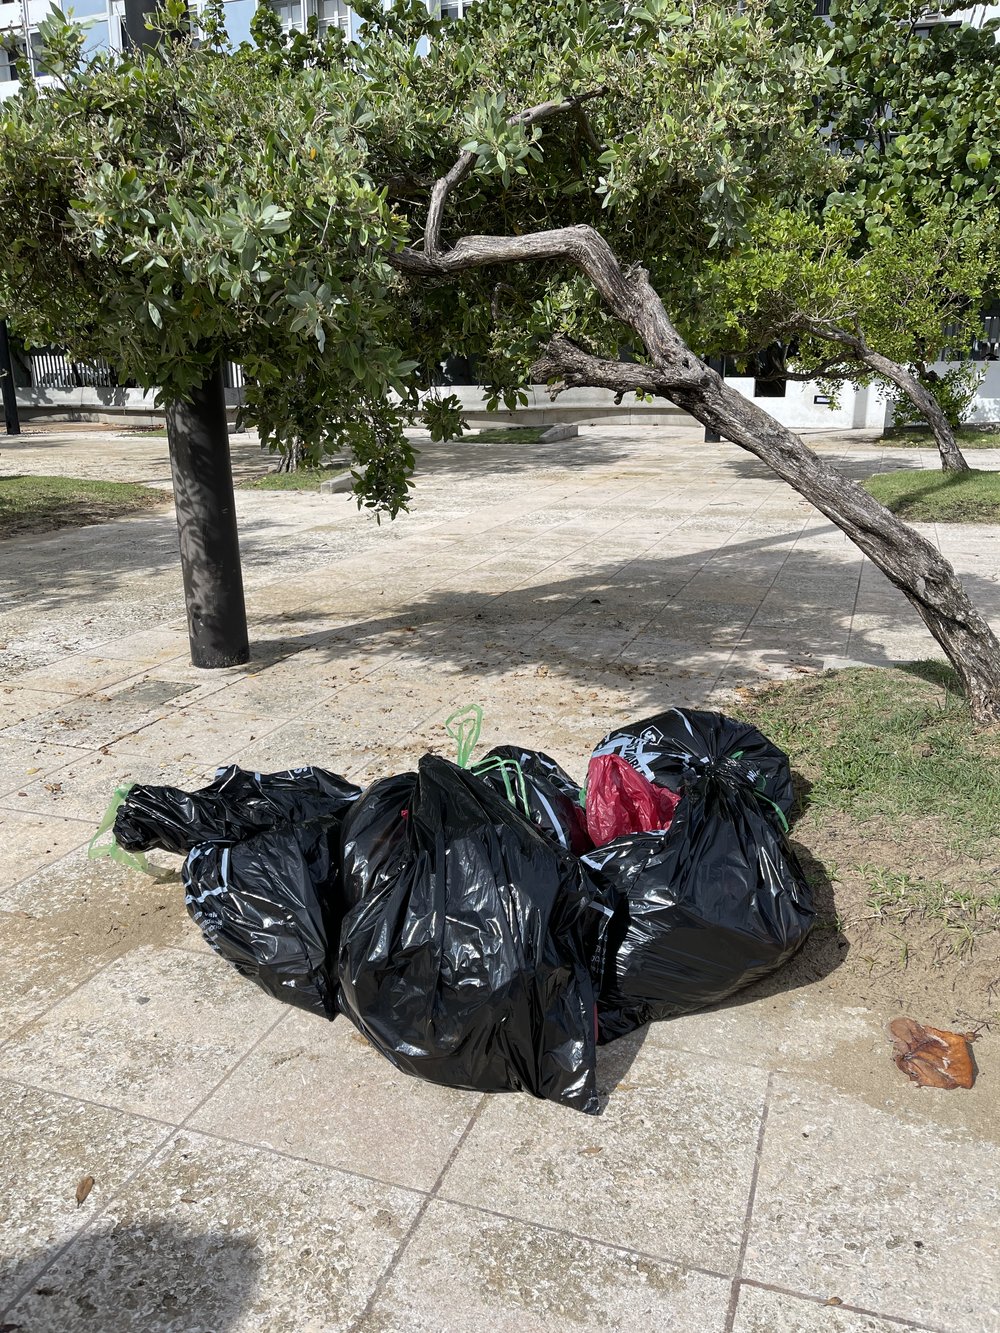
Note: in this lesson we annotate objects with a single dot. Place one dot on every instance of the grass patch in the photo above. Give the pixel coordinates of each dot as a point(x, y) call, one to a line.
point(147, 432)
point(893, 745)
point(505, 435)
point(899, 809)
point(43, 504)
point(918, 437)
point(305, 479)
point(939, 497)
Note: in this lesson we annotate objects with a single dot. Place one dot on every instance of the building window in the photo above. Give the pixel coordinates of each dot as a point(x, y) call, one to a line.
point(455, 9)
point(333, 14)
point(11, 52)
point(289, 12)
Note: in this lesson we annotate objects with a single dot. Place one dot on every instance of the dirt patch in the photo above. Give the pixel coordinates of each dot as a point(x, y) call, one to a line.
point(30, 505)
point(896, 831)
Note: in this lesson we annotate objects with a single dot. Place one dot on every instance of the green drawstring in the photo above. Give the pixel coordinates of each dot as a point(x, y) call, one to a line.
point(464, 727)
point(777, 809)
point(738, 754)
point(134, 860)
point(515, 790)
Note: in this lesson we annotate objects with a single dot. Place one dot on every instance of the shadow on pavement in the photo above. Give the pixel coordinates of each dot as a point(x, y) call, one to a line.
point(149, 1276)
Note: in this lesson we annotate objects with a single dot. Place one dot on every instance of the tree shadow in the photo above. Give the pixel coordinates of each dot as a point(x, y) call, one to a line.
point(154, 1275)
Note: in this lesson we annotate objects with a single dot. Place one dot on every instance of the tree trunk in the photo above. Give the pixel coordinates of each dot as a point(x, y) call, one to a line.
point(952, 458)
point(198, 436)
point(908, 560)
point(921, 573)
point(8, 389)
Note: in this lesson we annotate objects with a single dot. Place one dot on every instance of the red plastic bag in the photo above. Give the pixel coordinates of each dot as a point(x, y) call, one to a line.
point(620, 800)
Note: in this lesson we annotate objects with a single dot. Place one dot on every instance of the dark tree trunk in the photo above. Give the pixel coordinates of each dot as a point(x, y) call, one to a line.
point(952, 458)
point(198, 436)
point(8, 390)
point(924, 402)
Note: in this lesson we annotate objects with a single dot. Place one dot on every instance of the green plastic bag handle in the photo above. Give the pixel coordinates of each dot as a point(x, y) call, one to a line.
point(134, 860)
point(464, 726)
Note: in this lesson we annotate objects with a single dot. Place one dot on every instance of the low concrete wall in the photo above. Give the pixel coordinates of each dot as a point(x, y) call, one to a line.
point(101, 405)
point(865, 410)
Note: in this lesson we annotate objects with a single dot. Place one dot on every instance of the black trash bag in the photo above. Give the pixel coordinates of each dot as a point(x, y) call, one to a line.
point(715, 902)
point(465, 958)
point(262, 872)
point(374, 842)
point(272, 906)
point(672, 747)
point(549, 796)
point(235, 806)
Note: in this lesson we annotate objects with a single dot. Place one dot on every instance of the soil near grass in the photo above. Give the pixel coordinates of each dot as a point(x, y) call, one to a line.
point(896, 830)
point(31, 504)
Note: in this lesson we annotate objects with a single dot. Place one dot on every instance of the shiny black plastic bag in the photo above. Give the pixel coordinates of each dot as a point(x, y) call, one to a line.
point(718, 900)
point(271, 905)
point(262, 872)
point(541, 790)
point(235, 806)
point(672, 748)
point(465, 957)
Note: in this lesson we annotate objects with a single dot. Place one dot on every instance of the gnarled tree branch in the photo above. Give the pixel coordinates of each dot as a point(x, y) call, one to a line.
point(466, 161)
point(915, 566)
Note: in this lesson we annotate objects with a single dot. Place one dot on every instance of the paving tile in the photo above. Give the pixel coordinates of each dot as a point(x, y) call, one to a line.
point(223, 1239)
point(87, 722)
point(48, 1144)
point(25, 763)
point(465, 1271)
point(666, 1169)
point(760, 1311)
point(18, 702)
point(78, 674)
point(857, 1202)
point(60, 925)
point(85, 782)
point(153, 1033)
point(317, 1089)
point(30, 841)
point(198, 735)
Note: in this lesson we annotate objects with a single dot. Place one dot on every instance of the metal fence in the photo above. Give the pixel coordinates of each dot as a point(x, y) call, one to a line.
point(51, 368)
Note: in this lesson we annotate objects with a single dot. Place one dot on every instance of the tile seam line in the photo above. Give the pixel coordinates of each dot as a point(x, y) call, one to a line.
point(6, 809)
point(22, 1027)
point(385, 1277)
point(142, 1165)
point(633, 559)
point(901, 1320)
point(674, 1261)
point(734, 1291)
point(85, 1101)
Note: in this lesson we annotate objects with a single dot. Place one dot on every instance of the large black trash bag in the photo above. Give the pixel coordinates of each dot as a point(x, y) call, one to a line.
point(465, 957)
point(235, 806)
point(542, 790)
point(271, 905)
point(674, 746)
point(262, 871)
point(719, 899)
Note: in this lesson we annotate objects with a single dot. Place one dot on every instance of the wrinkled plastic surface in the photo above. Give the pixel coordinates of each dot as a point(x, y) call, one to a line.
point(551, 796)
point(717, 901)
point(933, 1057)
point(464, 959)
point(271, 906)
point(262, 872)
point(621, 801)
point(671, 748)
point(235, 806)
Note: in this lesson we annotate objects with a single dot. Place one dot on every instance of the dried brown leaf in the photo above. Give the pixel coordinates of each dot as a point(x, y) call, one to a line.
point(933, 1057)
point(83, 1189)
